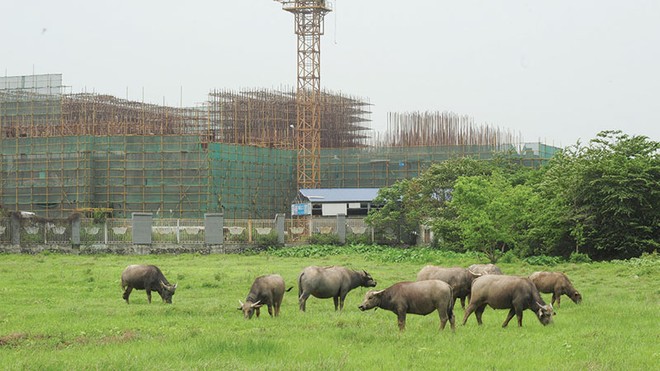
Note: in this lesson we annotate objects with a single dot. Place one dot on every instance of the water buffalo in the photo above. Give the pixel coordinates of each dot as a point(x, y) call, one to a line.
point(266, 290)
point(460, 279)
point(507, 292)
point(481, 269)
point(556, 283)
point(421, 297)
point(149, 278)
point(330, 282)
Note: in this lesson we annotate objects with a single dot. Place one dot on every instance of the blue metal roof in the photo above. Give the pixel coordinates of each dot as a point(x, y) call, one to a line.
point(340, 194)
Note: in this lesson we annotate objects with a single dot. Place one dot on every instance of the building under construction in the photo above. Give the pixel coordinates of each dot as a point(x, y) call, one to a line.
point(64, 152)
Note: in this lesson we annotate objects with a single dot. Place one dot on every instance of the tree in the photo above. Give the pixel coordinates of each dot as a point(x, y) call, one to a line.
point(409, 203)
point(392, 217)
point(606, 196)
point(493, 215)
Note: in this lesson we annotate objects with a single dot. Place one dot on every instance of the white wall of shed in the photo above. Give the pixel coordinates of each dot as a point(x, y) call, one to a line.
point(333, 209)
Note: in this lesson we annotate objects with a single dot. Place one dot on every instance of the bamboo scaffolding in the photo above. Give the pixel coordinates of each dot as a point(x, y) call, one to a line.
point(413, 129)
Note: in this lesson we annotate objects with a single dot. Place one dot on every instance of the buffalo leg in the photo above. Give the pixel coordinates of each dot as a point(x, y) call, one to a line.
point(302, 301)
point(463, 302)
point(270, 309)
point(401, 316)
point(468, 311)
point(479, 312)
point(556, 295)
point(257, 311)
point(335, 299)
point(452, 321)
point(443, 319)
point(277, 308)
point(342, 297)
point(510, 315)
point(127, 293)
point(519, 314)
point(149, 296)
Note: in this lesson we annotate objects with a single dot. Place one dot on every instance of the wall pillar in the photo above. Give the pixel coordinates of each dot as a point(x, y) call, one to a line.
point(213, 224)
point(341, 228)
point(142, 223)
point(15, 229)
point(279, 225)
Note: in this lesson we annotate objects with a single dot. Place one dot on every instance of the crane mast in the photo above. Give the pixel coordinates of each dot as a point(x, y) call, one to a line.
point(309, 16)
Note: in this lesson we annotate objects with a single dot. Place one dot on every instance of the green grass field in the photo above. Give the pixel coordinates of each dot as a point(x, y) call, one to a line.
point(66, 312)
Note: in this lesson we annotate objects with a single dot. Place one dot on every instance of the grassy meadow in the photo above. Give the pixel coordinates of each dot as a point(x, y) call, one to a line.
point(66, 312)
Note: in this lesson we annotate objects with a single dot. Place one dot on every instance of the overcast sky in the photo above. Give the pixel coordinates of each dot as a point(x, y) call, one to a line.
point(555, 71)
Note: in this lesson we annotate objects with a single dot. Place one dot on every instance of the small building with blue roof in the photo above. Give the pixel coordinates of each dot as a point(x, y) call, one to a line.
point(334, 201)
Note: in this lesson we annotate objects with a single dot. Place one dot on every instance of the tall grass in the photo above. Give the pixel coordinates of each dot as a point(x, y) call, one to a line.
point(66, 312)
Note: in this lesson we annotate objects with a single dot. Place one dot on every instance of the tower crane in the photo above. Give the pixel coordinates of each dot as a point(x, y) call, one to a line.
point(309, 16)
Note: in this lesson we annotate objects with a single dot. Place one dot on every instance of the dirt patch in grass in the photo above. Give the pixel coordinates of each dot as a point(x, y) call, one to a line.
point(12, 339)
point(19, 338)
point(121, 338)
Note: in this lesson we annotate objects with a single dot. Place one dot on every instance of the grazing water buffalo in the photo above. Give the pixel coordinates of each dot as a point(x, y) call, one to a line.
point(507, 292)
point(460, 279)
point(266, 290)
point(330, 282)
point(481, 269)
point(556, 283)
point(146, 277)
point(421, 297)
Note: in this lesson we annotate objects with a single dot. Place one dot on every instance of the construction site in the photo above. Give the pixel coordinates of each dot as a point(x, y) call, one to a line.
point(243, 153)
point(61, 153)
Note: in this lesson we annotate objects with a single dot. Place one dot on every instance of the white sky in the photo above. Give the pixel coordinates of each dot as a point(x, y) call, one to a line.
point(555, 71)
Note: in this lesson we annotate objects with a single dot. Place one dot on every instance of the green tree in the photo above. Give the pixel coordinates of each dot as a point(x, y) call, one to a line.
point(393, 218)
point(606, 196)
point(493, 215)
point(409, 203)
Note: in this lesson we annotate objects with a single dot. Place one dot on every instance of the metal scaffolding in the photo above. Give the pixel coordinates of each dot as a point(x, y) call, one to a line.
point(236, 153)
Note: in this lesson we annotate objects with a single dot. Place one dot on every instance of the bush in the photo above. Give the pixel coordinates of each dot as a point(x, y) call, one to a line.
point(577, 257)
point(358, 239)
point(509, 257)
point(543, 260)
point(324, 239)
point(266, 240)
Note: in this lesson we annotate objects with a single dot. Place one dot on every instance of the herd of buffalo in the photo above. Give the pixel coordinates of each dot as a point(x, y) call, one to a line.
point(436, 288)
